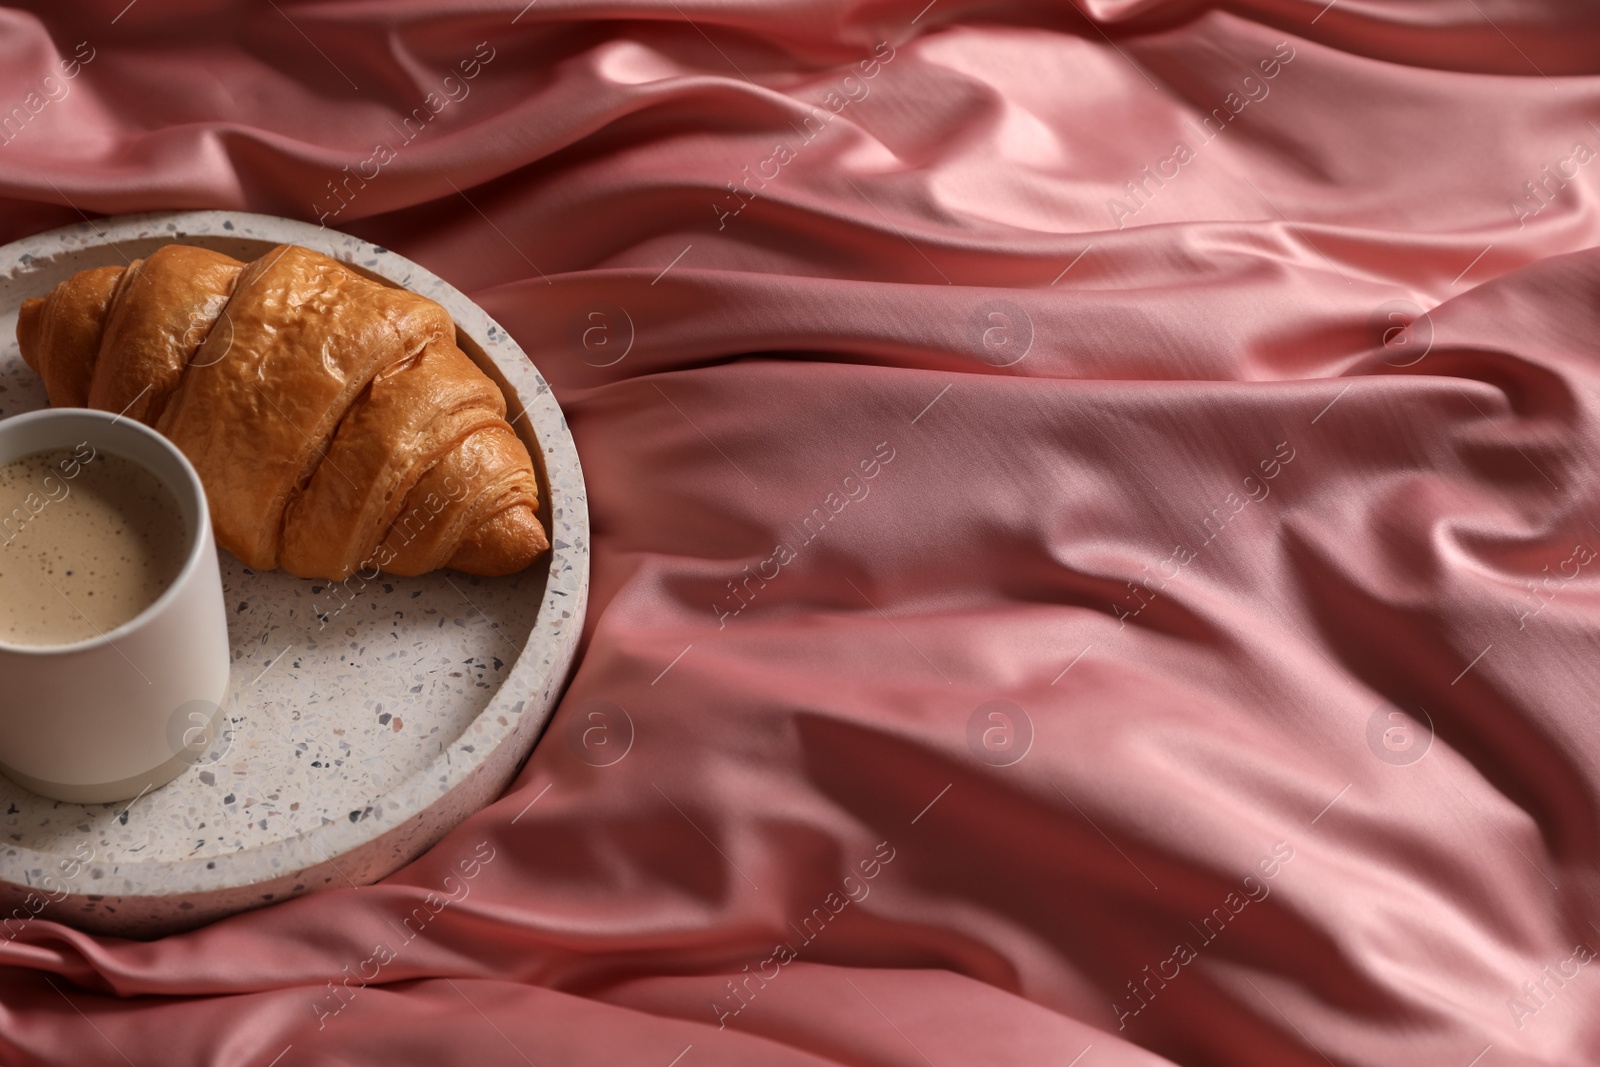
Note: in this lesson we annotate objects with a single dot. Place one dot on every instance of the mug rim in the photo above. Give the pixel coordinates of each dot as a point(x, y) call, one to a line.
point(199, 539)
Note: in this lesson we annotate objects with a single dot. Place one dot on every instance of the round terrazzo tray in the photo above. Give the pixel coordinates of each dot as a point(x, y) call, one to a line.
point(355, 741)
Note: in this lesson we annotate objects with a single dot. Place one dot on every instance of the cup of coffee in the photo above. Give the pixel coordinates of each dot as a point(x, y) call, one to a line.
point(114, 650)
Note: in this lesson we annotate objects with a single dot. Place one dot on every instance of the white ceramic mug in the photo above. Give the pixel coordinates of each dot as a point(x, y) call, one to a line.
point(113, 716)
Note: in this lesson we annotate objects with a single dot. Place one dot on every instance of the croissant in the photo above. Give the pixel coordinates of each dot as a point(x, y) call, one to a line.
point(333, 420)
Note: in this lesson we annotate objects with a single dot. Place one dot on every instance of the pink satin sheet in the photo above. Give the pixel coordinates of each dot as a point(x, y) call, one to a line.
point(1094, 524)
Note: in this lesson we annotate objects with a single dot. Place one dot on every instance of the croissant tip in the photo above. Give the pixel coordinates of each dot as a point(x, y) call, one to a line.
point(506, 544)
point(28, 331)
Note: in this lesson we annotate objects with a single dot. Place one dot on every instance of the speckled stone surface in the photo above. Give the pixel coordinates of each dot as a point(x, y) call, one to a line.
point(365, 722)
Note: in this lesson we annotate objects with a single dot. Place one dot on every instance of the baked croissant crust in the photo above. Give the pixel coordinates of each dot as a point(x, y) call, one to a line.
point(334, 421)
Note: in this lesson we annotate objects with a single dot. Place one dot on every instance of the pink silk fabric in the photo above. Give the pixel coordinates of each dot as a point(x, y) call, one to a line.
point(1094, 523)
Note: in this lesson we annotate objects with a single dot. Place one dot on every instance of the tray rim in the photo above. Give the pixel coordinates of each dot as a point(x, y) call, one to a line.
point(566, 587)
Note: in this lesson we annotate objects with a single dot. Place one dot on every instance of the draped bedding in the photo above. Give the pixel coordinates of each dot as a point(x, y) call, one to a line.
point(1093, 506)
